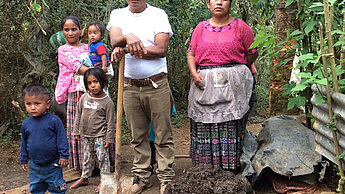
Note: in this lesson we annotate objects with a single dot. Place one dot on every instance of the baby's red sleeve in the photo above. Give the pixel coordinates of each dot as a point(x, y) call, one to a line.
point(101, 50)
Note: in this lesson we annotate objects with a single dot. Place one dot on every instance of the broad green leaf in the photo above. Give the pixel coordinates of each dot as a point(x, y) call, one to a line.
point(35, 7)
point(316, 4)
point(339, 43)
point(309, 81)
point(257, 41)
point(310, 26)
point(306, 56)
point(291, 104)
point(304, 75)
point(270, 41)
point(299, 87)
point(289, 2)
point(338, 32)
point(322, 81)
point(298, 101)
point(319, 13)
point(319, 99)
point(341, 71)
point(296, 32)
point(300, 37)
point(316, 8)
point(341, 82)
point(287, 87)
point(318, 73)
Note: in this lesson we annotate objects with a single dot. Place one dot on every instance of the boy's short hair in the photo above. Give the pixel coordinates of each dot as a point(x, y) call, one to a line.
point(36, 90)
point(99, 25)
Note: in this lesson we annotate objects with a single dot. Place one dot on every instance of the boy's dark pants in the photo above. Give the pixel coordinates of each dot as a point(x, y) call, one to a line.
point(46, 177)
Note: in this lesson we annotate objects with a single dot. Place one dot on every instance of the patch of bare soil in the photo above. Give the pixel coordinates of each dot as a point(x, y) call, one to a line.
point(11, 174)
point(205, 179)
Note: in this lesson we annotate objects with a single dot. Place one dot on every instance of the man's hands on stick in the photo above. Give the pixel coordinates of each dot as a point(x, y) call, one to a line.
point(134, 47)
point(118, 53)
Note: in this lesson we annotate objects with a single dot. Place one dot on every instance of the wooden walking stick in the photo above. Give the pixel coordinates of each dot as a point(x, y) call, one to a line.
point(123, 184)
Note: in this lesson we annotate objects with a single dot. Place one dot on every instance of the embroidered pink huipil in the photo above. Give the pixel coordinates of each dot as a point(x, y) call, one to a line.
point(68, 66)
point(230, 43)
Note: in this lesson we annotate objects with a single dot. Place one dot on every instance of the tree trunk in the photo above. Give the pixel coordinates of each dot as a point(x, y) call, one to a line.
point(284, 20)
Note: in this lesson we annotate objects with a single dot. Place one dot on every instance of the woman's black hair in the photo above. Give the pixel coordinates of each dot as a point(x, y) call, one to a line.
point(98, 73)
point(99, 25)
point(73, 18)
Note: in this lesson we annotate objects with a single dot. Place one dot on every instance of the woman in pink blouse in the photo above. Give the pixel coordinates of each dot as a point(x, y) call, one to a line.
point(66, 86)
point(219, 60)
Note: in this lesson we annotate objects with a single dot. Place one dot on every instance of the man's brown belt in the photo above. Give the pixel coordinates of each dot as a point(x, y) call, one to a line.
point(146, 81)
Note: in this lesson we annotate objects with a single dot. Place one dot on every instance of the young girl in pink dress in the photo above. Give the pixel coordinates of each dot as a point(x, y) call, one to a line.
point(66, 86)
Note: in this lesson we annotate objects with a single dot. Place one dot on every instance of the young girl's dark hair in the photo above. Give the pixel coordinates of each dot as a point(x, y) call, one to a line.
point(73, 18)
point(98, 73)
point(99, 25)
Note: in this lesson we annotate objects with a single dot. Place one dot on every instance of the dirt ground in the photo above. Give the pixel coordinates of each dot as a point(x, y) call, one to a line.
point(11, 175)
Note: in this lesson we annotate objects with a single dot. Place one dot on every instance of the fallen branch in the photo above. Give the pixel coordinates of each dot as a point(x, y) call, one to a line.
point(4, 126)
point(39, 25)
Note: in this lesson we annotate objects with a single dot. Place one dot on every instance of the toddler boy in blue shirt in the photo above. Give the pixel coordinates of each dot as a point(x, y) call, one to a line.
point(44, 143)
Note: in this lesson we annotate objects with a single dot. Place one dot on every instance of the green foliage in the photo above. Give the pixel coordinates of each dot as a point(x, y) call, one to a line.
point(183, 21)
point(310, 12)
point(27, 56)
point(12, 133)
point(126, 132)
point(180, 118)
point(341, 156)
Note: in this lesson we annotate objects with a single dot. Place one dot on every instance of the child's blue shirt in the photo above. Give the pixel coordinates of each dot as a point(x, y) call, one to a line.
point(43, 139)
point(93, 53)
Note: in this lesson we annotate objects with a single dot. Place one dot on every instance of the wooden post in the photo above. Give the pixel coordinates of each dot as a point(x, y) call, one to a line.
point(118, 139)
point(330, 111)
point(342, 55)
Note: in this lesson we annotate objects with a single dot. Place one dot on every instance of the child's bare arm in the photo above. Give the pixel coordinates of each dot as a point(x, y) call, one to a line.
point(24, 167)
point(104, 63)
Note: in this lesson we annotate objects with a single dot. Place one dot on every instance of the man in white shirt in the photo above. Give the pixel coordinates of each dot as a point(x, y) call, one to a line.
point(144, 31)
